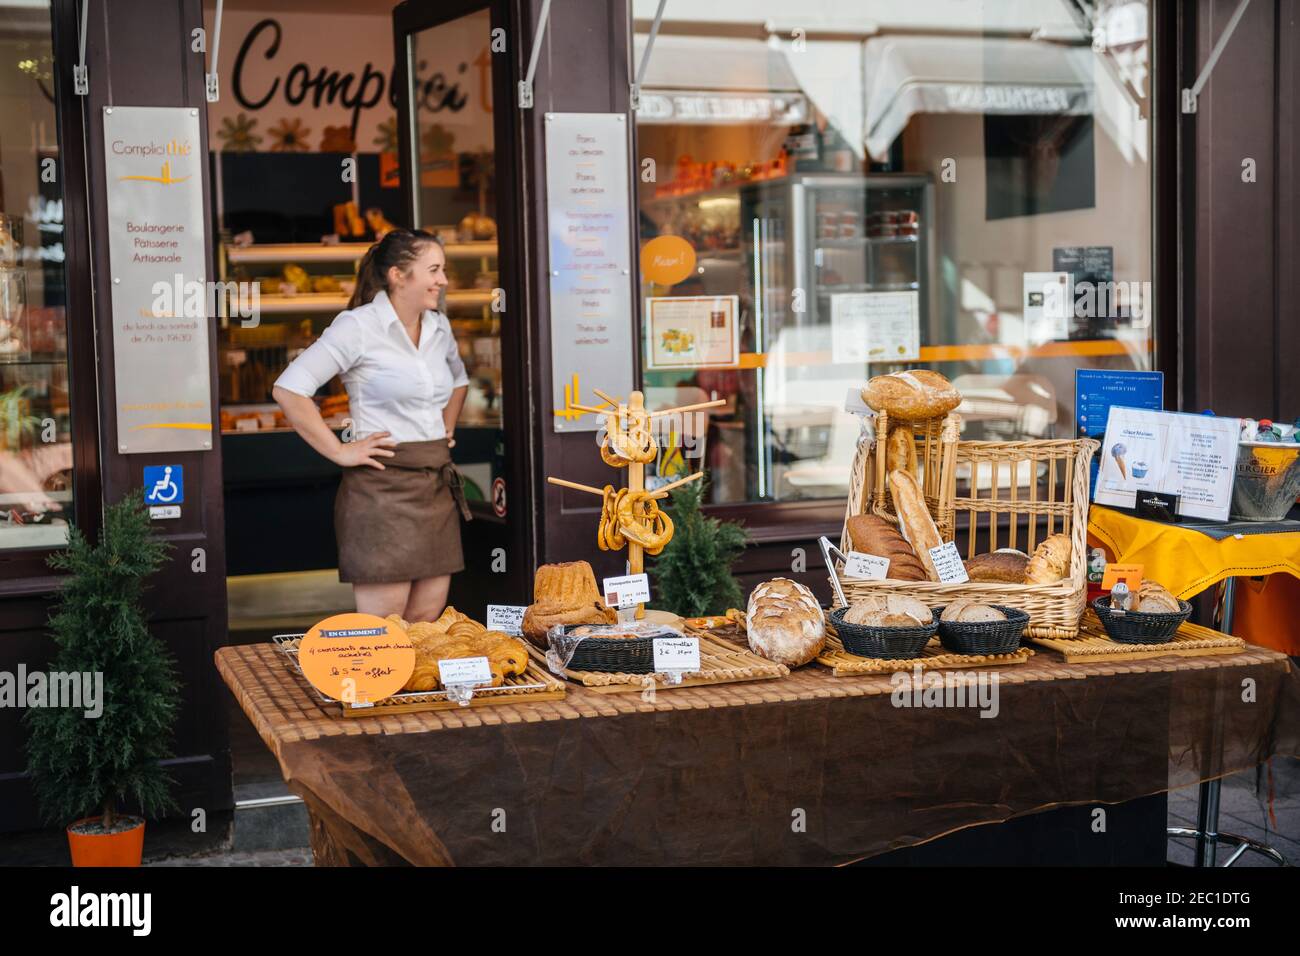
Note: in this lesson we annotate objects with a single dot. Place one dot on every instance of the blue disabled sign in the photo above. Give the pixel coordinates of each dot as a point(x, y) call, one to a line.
point(164, 485)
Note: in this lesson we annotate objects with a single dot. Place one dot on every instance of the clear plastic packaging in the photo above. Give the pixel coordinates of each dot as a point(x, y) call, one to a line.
point(627, 647)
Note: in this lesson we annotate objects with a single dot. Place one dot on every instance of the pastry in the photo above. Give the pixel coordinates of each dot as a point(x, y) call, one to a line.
point(968, 612)
point(913, 395)
point(871, 534)
point(914, 518)
point(564, 594)
point(889, 610)
point(466, 630)
point(1050, 561)
point(397, 619)
point(507, 651)
point(1006, 566)
point(900, 450)
point(1152, 598)
point(785, 623)
point(451, 616)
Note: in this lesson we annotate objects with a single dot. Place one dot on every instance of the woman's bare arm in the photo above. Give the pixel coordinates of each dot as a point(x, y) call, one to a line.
point(451, 413)
point(302, 413)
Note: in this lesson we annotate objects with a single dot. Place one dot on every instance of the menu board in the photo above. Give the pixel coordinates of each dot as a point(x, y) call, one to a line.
point(587, 203)
point(1191, 456)
point(692, 331)
point(153, 165)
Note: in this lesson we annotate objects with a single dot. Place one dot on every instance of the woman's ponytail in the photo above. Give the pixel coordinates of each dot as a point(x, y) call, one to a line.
point(399, 248)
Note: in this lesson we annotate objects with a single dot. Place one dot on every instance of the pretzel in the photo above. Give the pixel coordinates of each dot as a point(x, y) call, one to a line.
point(636, 444)
point(640, 520)
point(607, 532)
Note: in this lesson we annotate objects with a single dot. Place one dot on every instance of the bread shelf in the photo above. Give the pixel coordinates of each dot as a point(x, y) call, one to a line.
point(352, 252)
point(337, 301)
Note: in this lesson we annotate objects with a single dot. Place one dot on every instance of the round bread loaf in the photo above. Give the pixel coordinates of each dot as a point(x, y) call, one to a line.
point(1152, 598)
point(785, 623)
point(1050, 561)
point(889, 610)
point(913, 395)
point(968, 612)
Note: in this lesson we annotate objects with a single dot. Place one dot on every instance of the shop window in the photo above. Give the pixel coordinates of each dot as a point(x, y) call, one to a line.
point(875, 189)
point(36, 490)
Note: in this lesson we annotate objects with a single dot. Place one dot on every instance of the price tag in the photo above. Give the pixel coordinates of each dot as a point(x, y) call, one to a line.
point(677, 653)
point(865, 567)
point(507, 618)
point(947, 561)
point(627, 590)
point(1130, 574)
point(464, 670)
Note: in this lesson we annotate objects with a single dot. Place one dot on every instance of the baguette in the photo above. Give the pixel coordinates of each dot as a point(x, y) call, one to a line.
point(900, 450)
point(914, 519)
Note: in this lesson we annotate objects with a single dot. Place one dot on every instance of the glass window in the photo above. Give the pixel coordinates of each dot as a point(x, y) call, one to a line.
point(958, 186)
point(35, 418)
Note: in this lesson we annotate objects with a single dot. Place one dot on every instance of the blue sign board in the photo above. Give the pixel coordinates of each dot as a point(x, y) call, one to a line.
point(1097, 389)
point(164, 485)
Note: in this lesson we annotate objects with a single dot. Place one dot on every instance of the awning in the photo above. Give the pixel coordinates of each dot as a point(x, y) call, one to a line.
point(907, 75)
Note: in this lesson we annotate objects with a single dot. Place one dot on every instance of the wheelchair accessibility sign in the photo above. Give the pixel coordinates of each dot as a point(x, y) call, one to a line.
point(164, 490)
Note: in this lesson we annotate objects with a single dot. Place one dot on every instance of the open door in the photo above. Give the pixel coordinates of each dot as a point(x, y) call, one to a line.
point(457, 167)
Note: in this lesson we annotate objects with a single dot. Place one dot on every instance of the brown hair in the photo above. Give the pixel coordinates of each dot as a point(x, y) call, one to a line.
point(399, 248)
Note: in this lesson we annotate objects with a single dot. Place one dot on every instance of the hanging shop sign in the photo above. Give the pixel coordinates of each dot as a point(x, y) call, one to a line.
point(698, 331)
point(587, 200)
point(153, 164)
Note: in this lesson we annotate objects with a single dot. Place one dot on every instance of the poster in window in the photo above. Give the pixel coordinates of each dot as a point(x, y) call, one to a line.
point(876, 326)
point(692, 332)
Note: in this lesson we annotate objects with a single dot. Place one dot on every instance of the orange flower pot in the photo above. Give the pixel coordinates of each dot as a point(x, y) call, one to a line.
point(107, 849)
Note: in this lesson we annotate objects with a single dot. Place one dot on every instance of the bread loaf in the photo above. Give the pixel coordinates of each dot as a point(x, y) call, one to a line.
point(564, 594)
point(1050, 561)
point(889, 610)
point(900, 450)
point(968, 612)
point(1007, 567)
point(914, 519)
point(785, 623)
point(913, 395)
point(871, 534)
point(1152, 598)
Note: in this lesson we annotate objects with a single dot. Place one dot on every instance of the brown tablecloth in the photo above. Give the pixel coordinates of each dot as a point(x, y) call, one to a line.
point(810, 769)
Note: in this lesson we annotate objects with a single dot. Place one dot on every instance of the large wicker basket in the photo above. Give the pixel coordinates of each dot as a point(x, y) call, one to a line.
point(996, 514)
point(936, 439)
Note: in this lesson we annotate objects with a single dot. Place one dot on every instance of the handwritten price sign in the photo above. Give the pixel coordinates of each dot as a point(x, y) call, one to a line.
point(356, 658)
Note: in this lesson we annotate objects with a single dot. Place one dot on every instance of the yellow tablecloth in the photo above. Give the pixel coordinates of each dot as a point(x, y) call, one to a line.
point(1186, 561)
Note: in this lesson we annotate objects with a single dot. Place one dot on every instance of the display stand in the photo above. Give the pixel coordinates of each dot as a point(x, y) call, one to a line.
point(629, 443)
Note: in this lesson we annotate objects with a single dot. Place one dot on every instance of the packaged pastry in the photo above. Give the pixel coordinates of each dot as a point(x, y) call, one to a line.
point(969, 612)
point(785, 622)
point(871, 534)
point(1050, 561)
point(914, 395)
point(889, 610)
point(914, 518)
point(1006, 566)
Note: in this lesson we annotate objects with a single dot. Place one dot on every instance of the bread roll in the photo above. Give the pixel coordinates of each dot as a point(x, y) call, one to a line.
point(900, 450)
point(1050, 561)
point(889, 610)
point(871, 534)
point(1152, 598)
point(914, 519)
point(785, 623)
point(968, 612)
point(913, 395)
point(1006, 567)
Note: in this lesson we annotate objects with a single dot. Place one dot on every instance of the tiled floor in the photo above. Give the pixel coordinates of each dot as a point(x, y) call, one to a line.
point(1244, 809)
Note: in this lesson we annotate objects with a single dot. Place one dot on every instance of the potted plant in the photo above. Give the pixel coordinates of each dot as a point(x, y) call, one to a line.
point(84, 767)
point(693, 572)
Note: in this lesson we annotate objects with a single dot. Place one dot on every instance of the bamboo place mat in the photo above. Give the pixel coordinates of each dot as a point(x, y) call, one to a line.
point(933, 657)
point(1093, 644)
point(536, 683)
point(720, 662)
point(844, 664)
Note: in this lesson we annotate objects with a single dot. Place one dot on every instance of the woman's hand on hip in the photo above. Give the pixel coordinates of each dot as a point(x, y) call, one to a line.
point(366, 451)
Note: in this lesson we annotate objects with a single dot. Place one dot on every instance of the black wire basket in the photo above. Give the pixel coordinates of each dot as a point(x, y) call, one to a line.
point(985, 637)
point(883, 643)
point(1138, 627)
point(614, 655)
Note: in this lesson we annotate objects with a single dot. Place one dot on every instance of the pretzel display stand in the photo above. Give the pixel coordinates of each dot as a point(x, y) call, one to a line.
point(630, 516)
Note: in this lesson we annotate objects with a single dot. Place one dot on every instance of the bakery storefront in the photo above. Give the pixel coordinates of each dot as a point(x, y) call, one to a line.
point(741, 214)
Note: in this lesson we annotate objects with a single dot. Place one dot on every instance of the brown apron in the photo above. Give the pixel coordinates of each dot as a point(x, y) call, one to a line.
point(402, 523)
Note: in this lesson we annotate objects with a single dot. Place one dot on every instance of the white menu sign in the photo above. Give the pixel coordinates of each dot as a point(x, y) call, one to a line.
point(587, 200)
point(876, 326)
point(153, 165)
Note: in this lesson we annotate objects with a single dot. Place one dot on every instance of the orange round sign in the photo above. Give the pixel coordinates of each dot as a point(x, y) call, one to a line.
point(356, 658)
point(667, 260)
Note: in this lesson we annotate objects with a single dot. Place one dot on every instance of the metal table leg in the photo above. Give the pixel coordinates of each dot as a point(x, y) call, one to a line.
point(1207, 832)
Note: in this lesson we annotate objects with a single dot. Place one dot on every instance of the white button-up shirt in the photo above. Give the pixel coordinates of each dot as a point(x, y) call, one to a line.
point(392, 385)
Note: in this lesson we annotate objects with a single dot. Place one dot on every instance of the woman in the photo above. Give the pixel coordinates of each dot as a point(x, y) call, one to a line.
point(397, 514)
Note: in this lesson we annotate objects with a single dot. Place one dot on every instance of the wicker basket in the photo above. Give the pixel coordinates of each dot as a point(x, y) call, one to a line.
point(883, 643)
point(985, 637)
point(936, 439)
point(989, 514)
point(615, 655)
point(1137, 627)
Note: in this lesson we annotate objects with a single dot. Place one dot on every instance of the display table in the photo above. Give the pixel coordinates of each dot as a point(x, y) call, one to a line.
point(810, 769)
